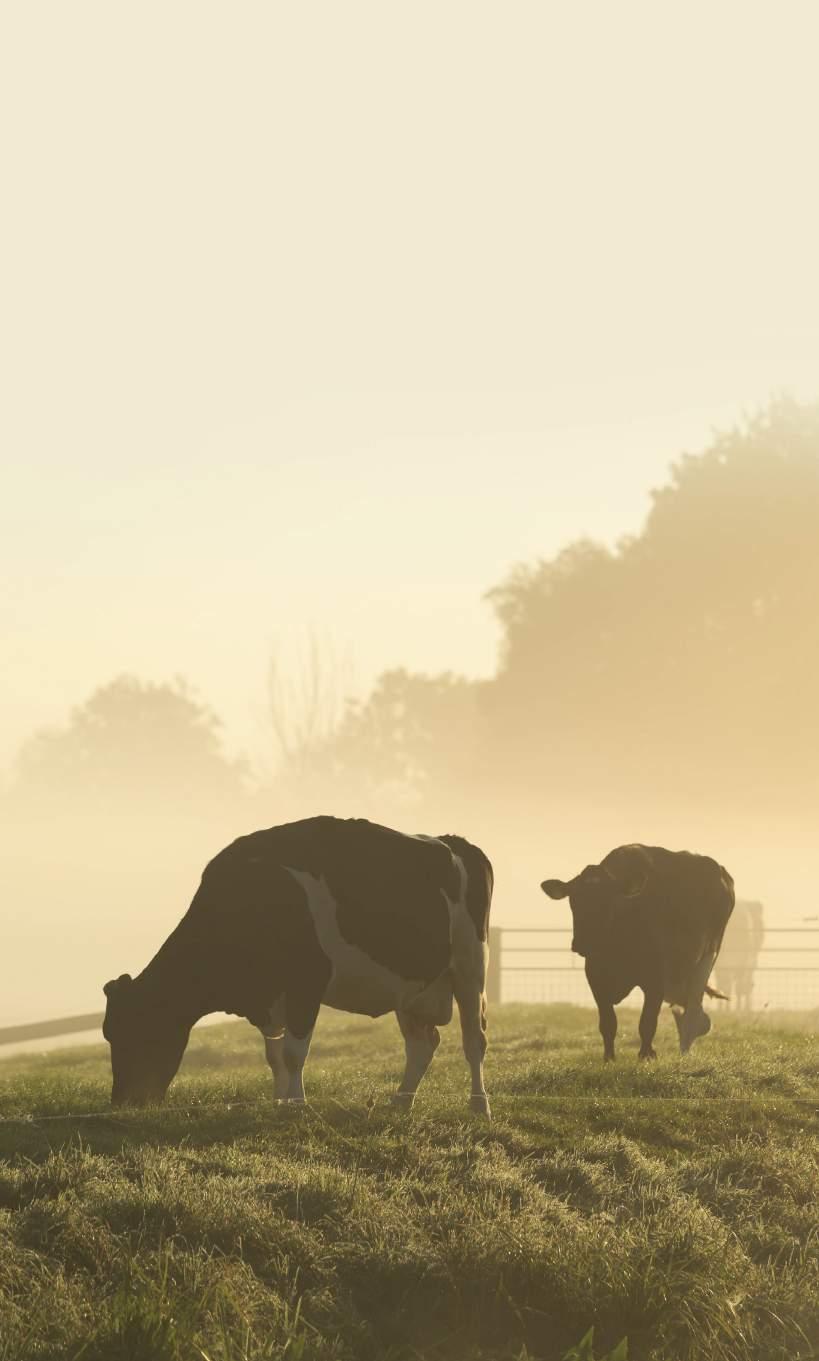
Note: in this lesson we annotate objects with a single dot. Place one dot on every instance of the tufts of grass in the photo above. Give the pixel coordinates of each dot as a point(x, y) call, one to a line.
point(220, 1227)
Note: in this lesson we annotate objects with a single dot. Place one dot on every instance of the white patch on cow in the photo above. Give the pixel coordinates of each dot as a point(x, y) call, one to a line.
point(359, 983)
point(274, 1049)
point(295, 1049)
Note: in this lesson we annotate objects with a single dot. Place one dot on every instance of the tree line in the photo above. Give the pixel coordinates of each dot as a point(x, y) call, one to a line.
point(685, 660)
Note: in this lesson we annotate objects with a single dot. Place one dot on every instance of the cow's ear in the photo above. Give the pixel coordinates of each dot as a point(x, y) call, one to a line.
point(555, 888)
point(117, 984)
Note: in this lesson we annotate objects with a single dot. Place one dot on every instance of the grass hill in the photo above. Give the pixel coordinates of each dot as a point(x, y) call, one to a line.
point(674, 1205)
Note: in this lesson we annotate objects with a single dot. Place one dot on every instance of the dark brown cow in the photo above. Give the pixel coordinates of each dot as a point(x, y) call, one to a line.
point(652, 919)
point(343, 912)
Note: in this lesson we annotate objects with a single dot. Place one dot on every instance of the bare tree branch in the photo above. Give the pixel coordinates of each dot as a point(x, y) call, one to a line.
point(307, 697)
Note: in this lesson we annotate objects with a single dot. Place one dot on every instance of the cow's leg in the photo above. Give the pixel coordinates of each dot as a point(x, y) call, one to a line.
point(470, 960)
point(421, 1041)
point(744, 986)
point(472, 1010)
point(274, 1049)
point(273, 1036)
point(606, 1011)
point(607, 1022)
point(652, 1001)
point(727, 984)
point(301, 1013)
point(295, 1049)
point(607, 1026)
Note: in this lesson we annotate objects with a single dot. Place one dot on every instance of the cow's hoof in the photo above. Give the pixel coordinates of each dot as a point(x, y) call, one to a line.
point(648, 1054)
point(403, 1100)
point(480, 1105)
point(608, 1058)
point(298, 1101)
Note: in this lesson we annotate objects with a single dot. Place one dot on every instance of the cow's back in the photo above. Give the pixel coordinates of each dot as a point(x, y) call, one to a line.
point(393, 892)
point(680, 909)
point(390, 890)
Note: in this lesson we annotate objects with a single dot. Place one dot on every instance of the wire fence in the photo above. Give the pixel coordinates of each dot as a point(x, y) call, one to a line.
point(536, 964)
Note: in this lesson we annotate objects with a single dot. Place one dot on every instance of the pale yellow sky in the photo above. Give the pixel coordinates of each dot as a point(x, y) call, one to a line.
point(326, 315)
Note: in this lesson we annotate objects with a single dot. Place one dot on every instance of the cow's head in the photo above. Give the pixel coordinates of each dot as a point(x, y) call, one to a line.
point(691, 1024)
point(146, 1044)
point(593, 897)
point(590, 897)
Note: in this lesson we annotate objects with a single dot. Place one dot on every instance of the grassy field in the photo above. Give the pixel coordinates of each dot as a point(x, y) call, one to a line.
point(675, 1205)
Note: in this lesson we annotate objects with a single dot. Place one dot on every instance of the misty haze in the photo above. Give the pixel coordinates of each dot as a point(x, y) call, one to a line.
point(451, 508)
point(409, 534)
point(663, 690)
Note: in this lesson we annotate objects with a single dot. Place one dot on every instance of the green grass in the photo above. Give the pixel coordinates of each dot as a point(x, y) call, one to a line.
point(673, 1204)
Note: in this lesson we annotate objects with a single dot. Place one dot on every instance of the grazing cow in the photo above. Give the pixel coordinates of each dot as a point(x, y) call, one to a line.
point(344, 912)
point(653, 919)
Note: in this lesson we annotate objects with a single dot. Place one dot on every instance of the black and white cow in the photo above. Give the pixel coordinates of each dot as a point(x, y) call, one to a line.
point(341, 912)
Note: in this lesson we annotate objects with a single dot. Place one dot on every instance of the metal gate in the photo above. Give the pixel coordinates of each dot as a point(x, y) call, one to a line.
point(536, 964)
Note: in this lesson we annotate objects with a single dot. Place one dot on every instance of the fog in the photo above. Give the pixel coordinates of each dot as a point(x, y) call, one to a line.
point(406, 416)
point(661, 691)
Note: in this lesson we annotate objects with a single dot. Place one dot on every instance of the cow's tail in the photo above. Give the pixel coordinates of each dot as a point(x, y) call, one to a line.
point(712, 992)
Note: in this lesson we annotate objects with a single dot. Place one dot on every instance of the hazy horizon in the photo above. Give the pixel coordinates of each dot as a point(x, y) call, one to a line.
point(432, 617)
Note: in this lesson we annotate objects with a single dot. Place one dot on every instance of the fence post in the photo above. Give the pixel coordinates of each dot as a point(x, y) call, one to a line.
point(493, 972)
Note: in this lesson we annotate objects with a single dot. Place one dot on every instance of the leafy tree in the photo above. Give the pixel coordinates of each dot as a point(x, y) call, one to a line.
point(132, 739)
point(412, 733)
point(684, 662)
point(399, 748)
point(689, 656)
